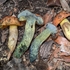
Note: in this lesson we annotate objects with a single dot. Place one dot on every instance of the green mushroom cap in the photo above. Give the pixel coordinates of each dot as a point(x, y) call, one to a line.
point(26, 14)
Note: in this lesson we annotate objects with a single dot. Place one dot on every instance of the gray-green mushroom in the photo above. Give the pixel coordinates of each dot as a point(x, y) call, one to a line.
point(31, 20)
point(50, 29)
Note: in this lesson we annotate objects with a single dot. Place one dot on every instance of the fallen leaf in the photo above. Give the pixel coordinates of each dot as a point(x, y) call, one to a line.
point(66, 58)
point(45, 49)
point(2, 1)
point(64, 44)
point(65, 5)
point(53, 64)
point(55, 53)
point(53, 3)
point(47, 18)
point(61, 40)
point(4, 35)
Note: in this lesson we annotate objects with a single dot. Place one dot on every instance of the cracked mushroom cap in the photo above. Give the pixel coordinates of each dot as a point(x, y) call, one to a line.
point(9, 21)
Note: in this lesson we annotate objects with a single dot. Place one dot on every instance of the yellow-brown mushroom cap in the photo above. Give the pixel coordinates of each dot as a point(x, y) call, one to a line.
point(9, 21)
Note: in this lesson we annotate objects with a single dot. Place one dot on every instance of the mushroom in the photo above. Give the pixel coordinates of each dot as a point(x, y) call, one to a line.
point(59, 17)
point(31, 20)
point(12, 22)
point(2, 1)
point(64, 23)
point(9, 21)
point(50, 29)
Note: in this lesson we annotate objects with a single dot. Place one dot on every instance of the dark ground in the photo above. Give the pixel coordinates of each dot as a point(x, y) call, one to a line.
point(14, 7)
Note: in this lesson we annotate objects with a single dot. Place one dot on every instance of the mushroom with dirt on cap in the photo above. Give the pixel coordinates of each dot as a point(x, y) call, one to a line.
point(13, 23)
point(61, 18)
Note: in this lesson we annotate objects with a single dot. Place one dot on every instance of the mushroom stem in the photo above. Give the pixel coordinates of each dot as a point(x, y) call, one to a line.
point(12, 22)
point(40, 39)
point(13, 35)
point(27, 38)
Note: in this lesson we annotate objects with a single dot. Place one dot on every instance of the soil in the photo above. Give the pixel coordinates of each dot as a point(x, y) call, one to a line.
point(10, 7)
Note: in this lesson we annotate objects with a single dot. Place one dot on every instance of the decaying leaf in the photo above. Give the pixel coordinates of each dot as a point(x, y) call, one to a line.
point(12, 22)
point(66, 58)
point(53, 64)
point(53, 3)
point(62, 40)
point(9, 20)
point(57, 55)
point(45, 49)
point(41, 65)
point(65, 5)
point(59, 17)
point(65, 49)
point(47, 18)
point(49, 68)
point(4, 35)
point(2, 1)
point(64, 44)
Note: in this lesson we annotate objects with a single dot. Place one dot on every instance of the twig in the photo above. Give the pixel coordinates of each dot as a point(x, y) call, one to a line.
point(30, 4)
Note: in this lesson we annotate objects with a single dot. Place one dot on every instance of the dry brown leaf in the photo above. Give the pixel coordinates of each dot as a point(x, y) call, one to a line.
point(53, 3)
point(65, 5)
point(62, 53)
point(55, 54)
point(53, 64)
point(2, 1)
point(47, 18)
point(49, 68)
point(61, 40)
point(64, 44)
point(65, 49)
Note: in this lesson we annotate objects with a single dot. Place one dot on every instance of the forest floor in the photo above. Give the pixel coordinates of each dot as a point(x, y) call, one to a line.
point(8, 8)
